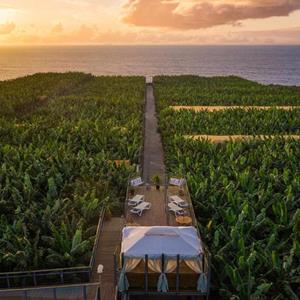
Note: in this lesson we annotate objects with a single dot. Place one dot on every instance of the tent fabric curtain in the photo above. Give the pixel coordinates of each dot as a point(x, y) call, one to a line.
point(162, 284)
point(170, 264)
point(202, 283)
point(155, 265)
point(169, 267)
point(129, 265)
point(197, 266)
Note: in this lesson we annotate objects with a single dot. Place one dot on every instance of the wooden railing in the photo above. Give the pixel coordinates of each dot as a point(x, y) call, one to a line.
point(44, 277)
point(87, 291)
point(96, 242)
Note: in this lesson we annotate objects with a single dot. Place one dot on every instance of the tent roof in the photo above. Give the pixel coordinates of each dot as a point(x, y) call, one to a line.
point(157, 240)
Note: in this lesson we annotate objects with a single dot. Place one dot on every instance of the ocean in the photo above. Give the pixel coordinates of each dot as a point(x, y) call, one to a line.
point(265, 64)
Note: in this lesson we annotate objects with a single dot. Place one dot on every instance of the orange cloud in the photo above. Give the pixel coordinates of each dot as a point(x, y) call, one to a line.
point(58, 28)
point(196, 14)
point(7, 28)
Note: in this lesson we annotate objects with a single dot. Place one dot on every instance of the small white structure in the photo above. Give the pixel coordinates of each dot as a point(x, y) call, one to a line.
point(177, 210)
point(136, 182)
point(136, 200)
point(157, 240)
point(139, 209)
point(178, 201)
point(177, 181)
point(162, 248)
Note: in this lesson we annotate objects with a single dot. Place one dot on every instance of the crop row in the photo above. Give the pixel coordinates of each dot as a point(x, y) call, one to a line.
point(230, 122)
point(194, 90)
point(56, 172)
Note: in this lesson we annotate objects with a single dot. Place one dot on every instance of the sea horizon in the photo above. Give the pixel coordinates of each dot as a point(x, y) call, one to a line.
point(268, 64)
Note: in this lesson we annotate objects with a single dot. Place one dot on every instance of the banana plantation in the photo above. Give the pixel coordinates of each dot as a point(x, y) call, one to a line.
point(231, 90)
point(59, 137)
point(246, 194)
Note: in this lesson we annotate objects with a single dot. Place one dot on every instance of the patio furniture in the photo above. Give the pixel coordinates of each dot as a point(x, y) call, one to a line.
point(176, 181)
point(184, 220)
point(178, 201)
point(136, 200)
point(139, 209)
point(178, 211)
point(136, 182)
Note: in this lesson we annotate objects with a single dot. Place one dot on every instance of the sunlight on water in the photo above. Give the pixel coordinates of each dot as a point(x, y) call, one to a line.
point(267, 64)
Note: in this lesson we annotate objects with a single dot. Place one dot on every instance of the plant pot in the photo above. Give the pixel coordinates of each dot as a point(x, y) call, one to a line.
point(157, 187)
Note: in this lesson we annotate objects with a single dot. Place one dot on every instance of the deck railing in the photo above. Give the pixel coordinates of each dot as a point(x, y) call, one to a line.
point(96, 242)
point(70, 275)
point(88, 291)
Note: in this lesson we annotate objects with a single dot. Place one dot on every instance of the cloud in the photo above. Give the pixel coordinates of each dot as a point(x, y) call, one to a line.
point(7, 28)
point(58, 28)
point(196, 14)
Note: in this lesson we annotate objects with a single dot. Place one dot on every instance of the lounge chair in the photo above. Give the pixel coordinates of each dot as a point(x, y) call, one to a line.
point(136, 200)
point(140, 208)
point(178, 201)
point(178, 211)
point(176, 181)
point(136, 182)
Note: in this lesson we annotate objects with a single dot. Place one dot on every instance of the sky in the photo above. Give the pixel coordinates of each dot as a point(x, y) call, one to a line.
point(69, 22)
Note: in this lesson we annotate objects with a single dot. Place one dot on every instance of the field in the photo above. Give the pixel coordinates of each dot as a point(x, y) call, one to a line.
point(246, 194)
point(193, 90)
point(236, 121)
point(59, 137)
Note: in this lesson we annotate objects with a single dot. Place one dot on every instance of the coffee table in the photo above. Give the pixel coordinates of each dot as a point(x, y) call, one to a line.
point(184, 220)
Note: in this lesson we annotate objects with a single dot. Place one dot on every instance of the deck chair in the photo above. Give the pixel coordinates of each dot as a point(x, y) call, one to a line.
point(139, 209)
point(178, 211)
point(136, 182)
point(176, 181)
point(178, 201)
point(136, 200)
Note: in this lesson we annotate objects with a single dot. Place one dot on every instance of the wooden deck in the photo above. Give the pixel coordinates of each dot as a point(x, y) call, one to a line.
point(153, 153)
point(158, 215)
point(109, 239)
point(188, 211)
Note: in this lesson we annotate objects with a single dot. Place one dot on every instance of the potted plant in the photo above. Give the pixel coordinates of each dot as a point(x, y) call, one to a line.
point(156, 181)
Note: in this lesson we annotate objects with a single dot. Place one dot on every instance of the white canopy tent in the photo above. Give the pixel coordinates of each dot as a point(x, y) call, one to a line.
point(162, 245)
point(158, 240)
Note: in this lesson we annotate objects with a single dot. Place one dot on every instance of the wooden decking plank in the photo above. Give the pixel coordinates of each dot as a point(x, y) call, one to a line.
point(156, 216)
point(109, 239)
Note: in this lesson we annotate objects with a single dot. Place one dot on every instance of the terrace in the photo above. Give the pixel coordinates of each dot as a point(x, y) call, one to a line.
point(182, 280)
point(159, 214)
